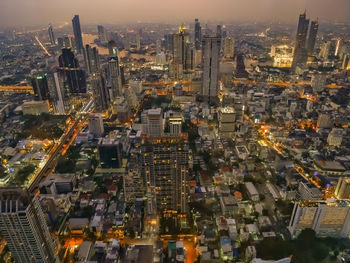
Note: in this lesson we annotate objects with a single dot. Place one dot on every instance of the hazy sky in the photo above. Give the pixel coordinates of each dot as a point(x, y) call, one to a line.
point(35, 12)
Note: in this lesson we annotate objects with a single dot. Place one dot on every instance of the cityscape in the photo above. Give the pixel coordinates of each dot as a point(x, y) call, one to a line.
point(203, 140)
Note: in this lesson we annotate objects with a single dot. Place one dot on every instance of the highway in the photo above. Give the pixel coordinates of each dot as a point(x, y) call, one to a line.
point(42, 46)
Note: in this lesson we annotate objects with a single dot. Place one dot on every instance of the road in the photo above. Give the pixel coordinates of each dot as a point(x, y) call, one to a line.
point(42, 46)
point(58, 150)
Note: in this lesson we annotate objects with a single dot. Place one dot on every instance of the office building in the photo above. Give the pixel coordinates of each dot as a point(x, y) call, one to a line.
point(115, 79)
point(100, 92)
point(40, 87)
point(73, 74)
point(131, 98)
point(327, 220)
point(324, 121)
point(311, 41)
point(210, 67)
point(307, 191)
point(77, 34)
point(335, 137)
point(102, 34)
point(23, 226)
point(110, 153)
point(229, 47)
point(95, 125)
point(88, 58)
point(342, 190)
point(300, 51)
point(51, 35)
point(164, 167)
point(197, 34)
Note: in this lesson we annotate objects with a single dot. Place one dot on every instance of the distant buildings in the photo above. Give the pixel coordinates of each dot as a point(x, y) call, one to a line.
point(51, 35)
point(23, 225)
point(102, 34)
point(210, 66)
point(300, 51)
point(77, 34)
point(229, 47)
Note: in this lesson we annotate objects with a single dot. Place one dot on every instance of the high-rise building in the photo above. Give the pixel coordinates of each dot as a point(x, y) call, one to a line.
point(180, 41)
point(102, 34)
point(23, 226)
point(300, 52)
point(77, 34)
point(88, 58)
point(326, 220)
point(114, 76)
point(164, 167)
point(197, 34)
point(210, 68)
point(40, 87)
point(100, 92)
point(110, 153)
point(311, 41)
point(57, 94)
point(74, 75)
point(325, 50)
point(342, 190)
point(229, 47)
point(227, 120)
point(175, 124)
point(51, 35)
point(95, 125)
point(131, 98)
point(113, 49)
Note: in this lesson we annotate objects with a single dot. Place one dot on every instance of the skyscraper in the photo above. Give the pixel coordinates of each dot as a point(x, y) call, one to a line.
point(88, 58)
point(300, 52)
point(40, 87)
point(210, 65)
point(23, 225)
point(77, 34)
point(74, 75)
point(102, 34)
point(229, 47)
point(51, 35)
point(100, 92)
point(164, 167)
point(312, 37)
point(115, 79)
point(197, 34)
point(57, 94)
point(110, 153)
point(113, 49)
point(180, 41)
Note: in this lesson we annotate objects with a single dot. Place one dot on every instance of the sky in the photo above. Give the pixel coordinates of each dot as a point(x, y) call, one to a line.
point(42, 12)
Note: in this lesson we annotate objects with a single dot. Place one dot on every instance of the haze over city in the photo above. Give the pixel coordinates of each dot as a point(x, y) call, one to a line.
point(41, 12)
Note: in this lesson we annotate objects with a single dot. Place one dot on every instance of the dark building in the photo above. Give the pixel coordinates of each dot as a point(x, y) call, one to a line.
point(197, 34)
point(110, 152)
point(240, 68)
point(300, 52)
point(100, 92)
point(77, 34)
point(73, 74)
point(312, 37)
point(51, 35)
point(164, 168)
point(168, 42)
point(40, 87)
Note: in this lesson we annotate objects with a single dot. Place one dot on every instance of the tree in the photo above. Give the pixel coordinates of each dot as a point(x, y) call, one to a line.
point(320, 251)
point(23, 174)
point(65, 165)
point(306, 237)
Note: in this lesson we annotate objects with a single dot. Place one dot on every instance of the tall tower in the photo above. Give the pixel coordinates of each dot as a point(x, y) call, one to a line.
point(197, 34)
point(312, 37)
point(23, 225)
point(102, 34)
point(100, 92)
point(180, 40)
point(115, 79)
point(210, 65)
point(51, 35)
point(300, 52)
point(77, 34)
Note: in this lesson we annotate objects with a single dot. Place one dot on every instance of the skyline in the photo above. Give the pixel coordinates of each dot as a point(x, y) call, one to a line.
point(15, 13)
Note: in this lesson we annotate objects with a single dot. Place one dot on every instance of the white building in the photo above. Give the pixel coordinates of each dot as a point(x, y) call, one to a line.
point(96, 125)
point(335, 137)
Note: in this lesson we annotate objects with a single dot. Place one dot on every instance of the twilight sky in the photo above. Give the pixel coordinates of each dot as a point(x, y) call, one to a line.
point(35, 12)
